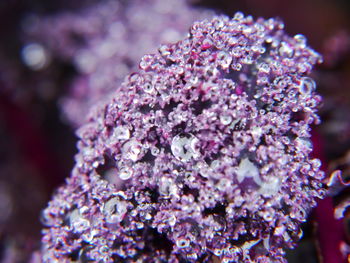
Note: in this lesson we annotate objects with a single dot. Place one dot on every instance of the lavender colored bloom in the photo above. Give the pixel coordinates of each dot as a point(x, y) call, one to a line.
point(200, 156)
point(105, 42)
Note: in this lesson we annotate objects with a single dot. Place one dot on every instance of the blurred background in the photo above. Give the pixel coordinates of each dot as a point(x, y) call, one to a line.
point(46, 90)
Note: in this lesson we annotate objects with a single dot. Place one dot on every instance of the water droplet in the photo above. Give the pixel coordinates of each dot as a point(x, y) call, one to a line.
point(224, 59)
point(167, 187)
point(286, 236)
point(218, 252)
point(280, 82)
point(266, 243)
point(262, 112)
point(146, 62)
point(182, 242)
point(279, 230)
point(300, 233)
point(132, 150)
point(247, 30)
point(90, 235)
point(307, 86)
point(316, 163)
point(78, 222)
point(178, 70)
point(236, 66)
point(299, 213)
point(238, 16)
point(303, 143)
point(35, 56)
point(226, 259)
point(247, 169)
point(206, 44)
point(155, 151)
point(262, 50)
point(193, 256)
point(301, 40)
point(121, 133)
point(203, 169)
point(103, 249)
point(172, 220)
point(264, 67)
point(267, 216)
point(114, 210)
point(125, 173)
point(232, 40)
point(270, 187)
point(148, 216)
point(184, 147)
point(218, 23)
point(248, 59)
point(164, 50)
point(148, 88)
point(285, 50)
point(225, 119)
point(140, 225)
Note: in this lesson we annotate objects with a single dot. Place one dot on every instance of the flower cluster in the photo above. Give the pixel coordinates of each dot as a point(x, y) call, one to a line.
point(105, 42)
point(200, 156)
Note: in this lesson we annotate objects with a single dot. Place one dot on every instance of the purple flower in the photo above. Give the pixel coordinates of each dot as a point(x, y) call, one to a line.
point(200, 156)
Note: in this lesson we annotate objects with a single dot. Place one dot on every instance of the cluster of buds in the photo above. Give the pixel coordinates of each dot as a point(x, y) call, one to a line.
point(200, 156)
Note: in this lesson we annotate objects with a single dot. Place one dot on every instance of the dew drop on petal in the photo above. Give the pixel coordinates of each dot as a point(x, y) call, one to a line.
point(145, 62)
point(285, 50)
point(225, 119)
point(184, 147)
point(164, 50)
point(307, 86)
point(182, 242)
point(236, 66)
point(132, 150)
point(224, 59)
point(300, 233)
point(172, 220)
point(301, 40)
point(78, 222)
point(125, 173)
point(316, 163)
point(266, 243)
point(238, 16)
point(155, 151)
point(270, 187)
point(167, 186)
point(121, 133)
point(114, 210)
point(148, 88)
point(264, 67)
point(218, 252)
point(192, 256)
point(247, 169)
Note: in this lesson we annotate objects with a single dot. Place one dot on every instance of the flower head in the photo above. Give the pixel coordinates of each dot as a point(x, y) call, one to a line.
point(201, 154)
